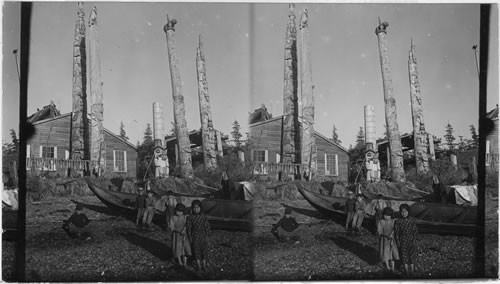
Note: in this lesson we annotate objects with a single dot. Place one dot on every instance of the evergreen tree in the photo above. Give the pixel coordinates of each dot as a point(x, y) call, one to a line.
point(145, 154)
point(462, 145)
point(360, 139)
point(148, 135)
point(236, 134)
point(449, 137)
point(123, 134)
point(474, 136)
point(335, 136)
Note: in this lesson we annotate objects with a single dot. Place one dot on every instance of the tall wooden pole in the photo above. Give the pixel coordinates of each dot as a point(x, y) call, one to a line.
point(80, 125)
point(419, 134)
point(184, 145)
point(397, 170)
point(207, 127)
point(308, 147)
point(370, 136)
point(97, 109)
point(290, 108)
point(158, 124)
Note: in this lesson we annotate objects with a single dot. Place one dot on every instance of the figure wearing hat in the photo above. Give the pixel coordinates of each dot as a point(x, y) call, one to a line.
point(350, 205)
point(285, 226)
point(369, 164)
point(140, 205)
point(76, 225)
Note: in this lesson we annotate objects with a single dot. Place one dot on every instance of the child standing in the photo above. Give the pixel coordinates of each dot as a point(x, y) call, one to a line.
point(379, 208)
point(405, 231)
point(349, 208)
point(180, 243)
point(170, 209)
point(388, 250)
point(149, 211)
point(198, 231)
point(140, 205)
point(359, 213)
point(285, 226)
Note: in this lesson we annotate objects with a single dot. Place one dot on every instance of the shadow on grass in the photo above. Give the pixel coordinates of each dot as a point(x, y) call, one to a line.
point(364, 252)
point(159, 250)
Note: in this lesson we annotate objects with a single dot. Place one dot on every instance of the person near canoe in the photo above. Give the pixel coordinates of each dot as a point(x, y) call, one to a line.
point(149, 212)
point(349, 208)
point(181, 248)
point(285, 226)
point(379, 208)
point(140, 205)
point(77, 224)
point(405, 232)
point(198, 231)
point(359, 213)
point(388, 251)
point(170, 209)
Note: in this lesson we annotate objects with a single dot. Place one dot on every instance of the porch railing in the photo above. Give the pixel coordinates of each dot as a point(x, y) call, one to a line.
point(52, 164)
point(265, 168)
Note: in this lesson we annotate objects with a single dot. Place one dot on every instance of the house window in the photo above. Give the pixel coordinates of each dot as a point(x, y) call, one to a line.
point(488, 152)
point(278, 158)
point(331, 165)
point(120, 161)
point(260, 155)
point(48, 155)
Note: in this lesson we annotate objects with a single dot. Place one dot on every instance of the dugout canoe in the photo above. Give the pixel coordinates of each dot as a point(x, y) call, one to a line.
point(222, 214)
point(430, 217)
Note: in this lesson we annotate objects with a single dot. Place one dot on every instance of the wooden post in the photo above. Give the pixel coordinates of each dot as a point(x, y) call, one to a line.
point(207, 128)
point(219, 144)
point(308, 147)
point(419, 134)
point(290, 107)
point(13, 173)
point(97, 108)
point(370, 135)
point(432, 154)
point(396, 150)
point(186, 167)
point(158, 124)
point(79, 135)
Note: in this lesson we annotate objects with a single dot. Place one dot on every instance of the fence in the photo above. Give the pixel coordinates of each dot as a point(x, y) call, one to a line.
point(38, 165)
point(266, 168)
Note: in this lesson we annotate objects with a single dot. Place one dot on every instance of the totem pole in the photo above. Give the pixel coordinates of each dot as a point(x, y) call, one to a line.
point(184, 145)
point(79, 120)
point(308, 147)
point(159, 151)
point(371, 157)
point(396, 155)
point(207, 127)
point(419, 134)
point(97, 110)
point(290, 145)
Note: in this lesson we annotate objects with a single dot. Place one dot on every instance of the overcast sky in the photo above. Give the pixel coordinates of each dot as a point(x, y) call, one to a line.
point(244, 50)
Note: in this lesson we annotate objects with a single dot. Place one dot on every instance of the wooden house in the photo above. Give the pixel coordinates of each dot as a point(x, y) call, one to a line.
point(48, 150)
point(492, 141)
point(265, 147)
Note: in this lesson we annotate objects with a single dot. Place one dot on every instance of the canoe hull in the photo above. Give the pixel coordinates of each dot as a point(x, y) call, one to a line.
point(221, 214)
point(429, 217)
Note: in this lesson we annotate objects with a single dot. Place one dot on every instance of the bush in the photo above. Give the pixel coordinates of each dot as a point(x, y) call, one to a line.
point(421, 181)
point(235, 168)
point(210, 178)
point(448, 174)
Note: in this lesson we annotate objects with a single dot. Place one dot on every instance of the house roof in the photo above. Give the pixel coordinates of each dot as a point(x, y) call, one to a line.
point(493, 114)
point(315, 132)
point(260, 114)
point(50, 113)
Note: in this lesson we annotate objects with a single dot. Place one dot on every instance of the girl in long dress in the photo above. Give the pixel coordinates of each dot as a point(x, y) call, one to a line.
point(180, 242)
point(388, 251)
point(405, 231)
point(198, 230)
